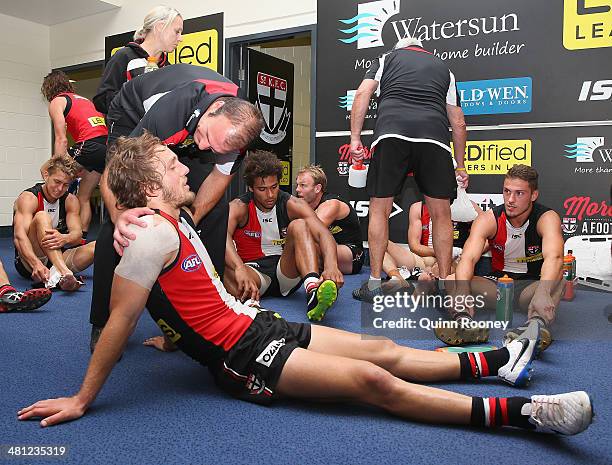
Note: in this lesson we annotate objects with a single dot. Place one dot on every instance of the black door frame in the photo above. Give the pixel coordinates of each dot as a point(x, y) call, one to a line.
point(233, 48)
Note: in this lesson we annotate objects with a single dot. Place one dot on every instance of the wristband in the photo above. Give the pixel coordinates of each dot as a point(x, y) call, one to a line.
point(459, 169)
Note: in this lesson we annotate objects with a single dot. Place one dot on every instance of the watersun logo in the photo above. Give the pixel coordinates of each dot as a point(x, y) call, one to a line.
point(372, 16)
point(585, 148)
point(191, 263)
point(368, 24)
point(346, 101)
point(493, 96)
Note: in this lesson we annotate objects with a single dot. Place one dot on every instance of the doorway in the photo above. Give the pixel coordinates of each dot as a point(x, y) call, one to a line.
point(296, 46)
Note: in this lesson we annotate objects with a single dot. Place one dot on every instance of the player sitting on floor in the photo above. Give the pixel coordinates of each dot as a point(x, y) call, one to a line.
point(255, 355)
point(275, 241)
point(46, 220)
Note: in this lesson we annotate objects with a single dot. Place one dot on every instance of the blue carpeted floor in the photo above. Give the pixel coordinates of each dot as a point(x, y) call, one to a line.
point(163, 408)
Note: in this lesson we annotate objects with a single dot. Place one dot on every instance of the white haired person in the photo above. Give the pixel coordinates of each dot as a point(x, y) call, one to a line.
point(159, 35)
point(417, 102)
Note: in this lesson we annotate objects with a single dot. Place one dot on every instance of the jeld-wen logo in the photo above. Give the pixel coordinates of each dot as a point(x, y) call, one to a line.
point(494, 96)
point(587, 24)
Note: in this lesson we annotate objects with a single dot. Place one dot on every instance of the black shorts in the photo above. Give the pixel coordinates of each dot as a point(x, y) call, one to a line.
point(358, 257)
point(521, 282)
point(269, 266)
point(251, 369)
point(394, 158)
point(90, 154)
point(116, 130)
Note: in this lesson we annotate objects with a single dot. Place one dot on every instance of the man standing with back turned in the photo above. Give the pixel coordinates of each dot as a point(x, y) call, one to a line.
point(417, 99)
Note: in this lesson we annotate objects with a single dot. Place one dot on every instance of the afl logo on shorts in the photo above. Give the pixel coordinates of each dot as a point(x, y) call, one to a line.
point(191, 263)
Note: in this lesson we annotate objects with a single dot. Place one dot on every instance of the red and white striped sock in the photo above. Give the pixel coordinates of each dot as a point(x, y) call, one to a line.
point(492, 412)
point(481, 364)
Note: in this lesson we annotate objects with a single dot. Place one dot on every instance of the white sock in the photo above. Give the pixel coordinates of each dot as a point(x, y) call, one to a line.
point(373, 283)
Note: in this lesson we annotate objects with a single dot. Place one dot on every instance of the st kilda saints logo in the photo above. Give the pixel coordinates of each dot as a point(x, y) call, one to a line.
point(569, 225)
point(272, 101)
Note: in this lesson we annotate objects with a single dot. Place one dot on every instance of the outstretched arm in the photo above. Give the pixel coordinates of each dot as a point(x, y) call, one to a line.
point(127, 303)
point(543, 303)
point(154, 247)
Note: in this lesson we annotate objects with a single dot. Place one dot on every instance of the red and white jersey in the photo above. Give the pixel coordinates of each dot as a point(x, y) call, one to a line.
point(56, 210)
point(517, 249)
point(264, 233)
point(191, 306)
point(84, 122)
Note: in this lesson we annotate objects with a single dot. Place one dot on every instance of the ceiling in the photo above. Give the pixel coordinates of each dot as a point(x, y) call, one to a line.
point(50, 12)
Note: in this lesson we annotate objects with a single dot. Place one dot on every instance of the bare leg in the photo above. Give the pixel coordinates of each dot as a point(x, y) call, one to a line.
point(401, 361)
point(308, 374)
point(345, 259)
point(442, 226)
point(79, 258)
point(89, 181)
point(378, 232)
point(300, 254)
point(3, 276)
point(40, 224)
point(398, 256)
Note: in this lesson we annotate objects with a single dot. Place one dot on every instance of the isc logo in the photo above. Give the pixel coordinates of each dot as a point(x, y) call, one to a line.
point(362, 208)
point(191, 263)
point(599, 90)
